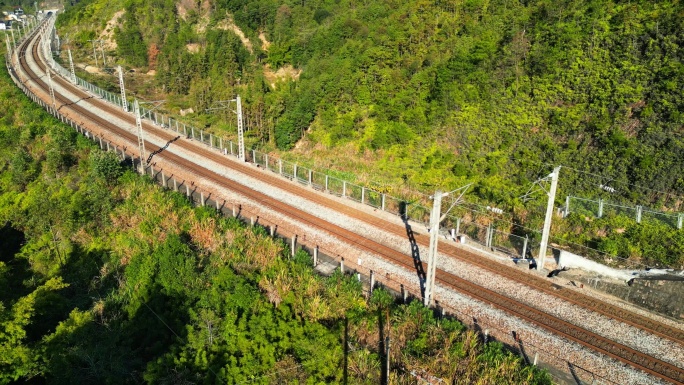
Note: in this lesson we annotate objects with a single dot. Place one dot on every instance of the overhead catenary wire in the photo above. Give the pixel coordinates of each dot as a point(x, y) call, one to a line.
point(160, 318)
point(482, 210)
point(556, 239)
point(625, 183)
point(172, 331)
point(612, 179)
point(520, 226)
point(297, 366)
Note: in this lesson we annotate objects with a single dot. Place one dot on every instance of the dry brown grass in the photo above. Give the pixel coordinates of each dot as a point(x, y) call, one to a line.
point(204, 234)
point(82, 237)
point(363, 365)
point(144, 220)
point(268, 286)
point(316, 308)
point(125, 220)
point(276, 288)
point(262, 252)
point(99, 310)
point(309, 297)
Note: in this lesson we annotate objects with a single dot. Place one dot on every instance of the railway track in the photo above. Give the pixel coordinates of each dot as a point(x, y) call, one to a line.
point(572, 332)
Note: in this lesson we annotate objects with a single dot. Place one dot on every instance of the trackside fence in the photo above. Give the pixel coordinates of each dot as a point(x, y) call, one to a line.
point(600, 208)
point(414, 209)
point(480, 230)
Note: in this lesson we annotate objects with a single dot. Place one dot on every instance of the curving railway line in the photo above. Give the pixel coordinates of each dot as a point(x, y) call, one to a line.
point(658, 368)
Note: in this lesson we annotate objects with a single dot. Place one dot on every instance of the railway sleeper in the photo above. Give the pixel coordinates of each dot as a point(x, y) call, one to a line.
point(656, 366)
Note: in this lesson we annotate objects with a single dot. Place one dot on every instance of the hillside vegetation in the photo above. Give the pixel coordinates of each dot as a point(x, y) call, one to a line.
point(107, 278)
point(435, 94)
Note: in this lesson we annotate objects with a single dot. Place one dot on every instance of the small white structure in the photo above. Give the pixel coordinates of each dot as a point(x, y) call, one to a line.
point(574, 261)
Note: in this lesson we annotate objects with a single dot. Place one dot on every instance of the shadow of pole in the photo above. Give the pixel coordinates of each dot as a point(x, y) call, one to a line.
point(521, 348)
point(345, 373)
point(574, 374)
point(381, 348)
point(415, 250)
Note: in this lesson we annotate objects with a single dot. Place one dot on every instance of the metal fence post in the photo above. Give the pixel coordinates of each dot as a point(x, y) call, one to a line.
point(639, 210)
point(315, 256)
point(404, 293)
point(372, 281)
point(489, 233)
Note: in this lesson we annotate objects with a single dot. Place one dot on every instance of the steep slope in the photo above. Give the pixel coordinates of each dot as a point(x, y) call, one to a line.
point(435, 94)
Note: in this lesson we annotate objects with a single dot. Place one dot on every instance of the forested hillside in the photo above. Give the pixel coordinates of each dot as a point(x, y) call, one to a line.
point(433, 94)
point(481, 81)
point(107, 278)
point(11, 5)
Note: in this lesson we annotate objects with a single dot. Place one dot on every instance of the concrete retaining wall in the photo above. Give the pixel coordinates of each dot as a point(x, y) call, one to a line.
point(664, 297)
point(661, 296)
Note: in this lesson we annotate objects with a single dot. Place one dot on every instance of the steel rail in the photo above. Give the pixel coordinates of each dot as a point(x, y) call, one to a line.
point(640, 360)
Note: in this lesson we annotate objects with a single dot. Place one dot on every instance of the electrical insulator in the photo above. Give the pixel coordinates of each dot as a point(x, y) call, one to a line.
point(607, 188)
point(495, 210)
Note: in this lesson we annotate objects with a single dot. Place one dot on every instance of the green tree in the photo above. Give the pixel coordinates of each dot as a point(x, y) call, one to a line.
point(106, 166)
point(130, 43)
point(18, 357)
